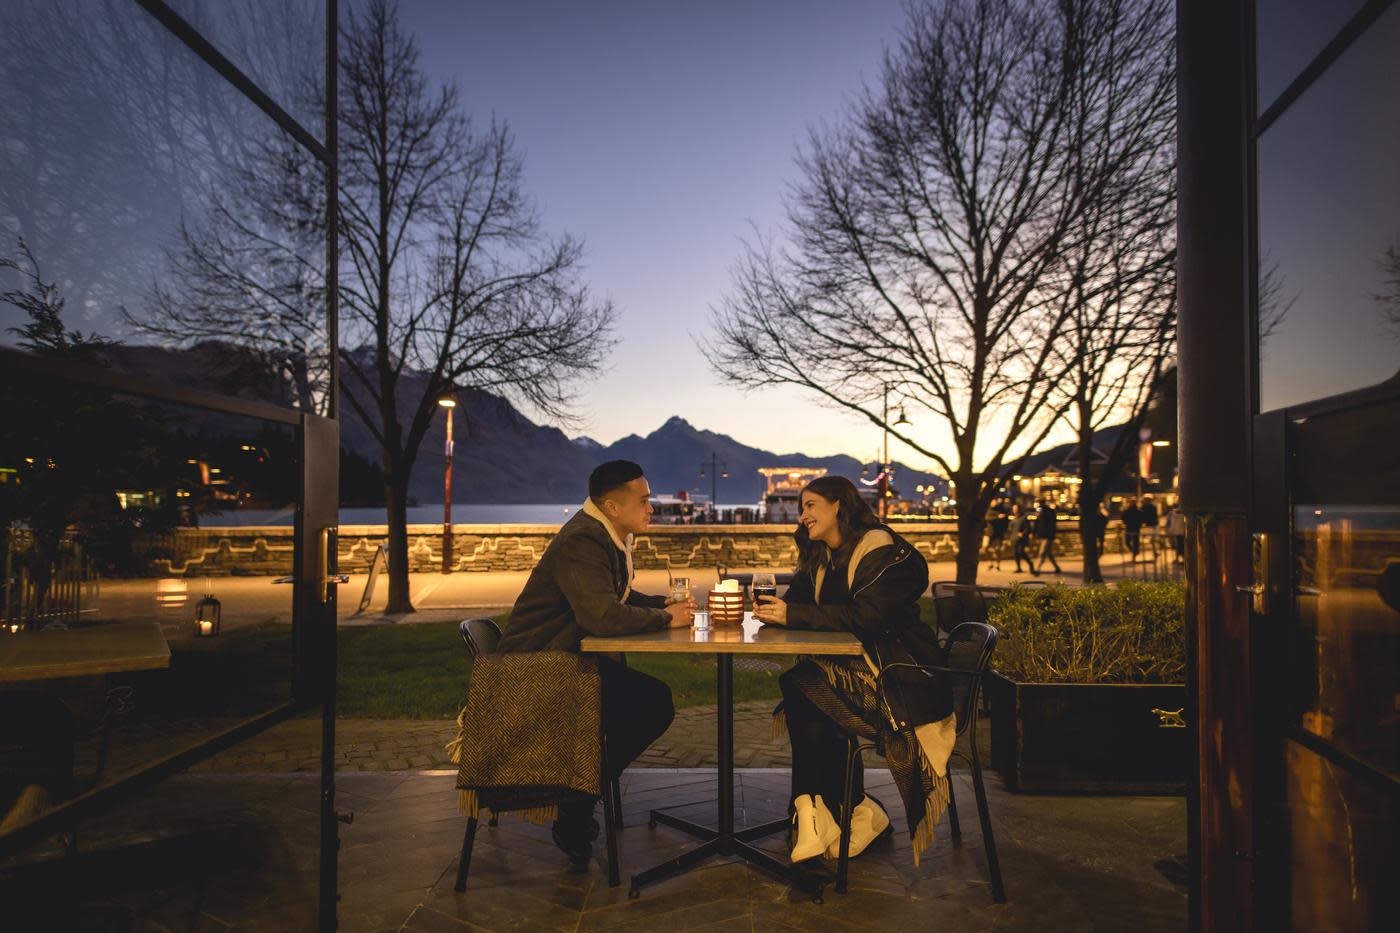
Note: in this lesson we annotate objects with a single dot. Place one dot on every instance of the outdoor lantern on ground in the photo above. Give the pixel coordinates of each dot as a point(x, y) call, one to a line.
point(206, 617)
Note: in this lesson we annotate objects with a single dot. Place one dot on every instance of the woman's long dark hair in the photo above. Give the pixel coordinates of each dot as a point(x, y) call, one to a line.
point(853, 517)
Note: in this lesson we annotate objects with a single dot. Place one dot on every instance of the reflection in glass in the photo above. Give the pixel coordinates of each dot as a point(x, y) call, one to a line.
point(279, 44)
point(1289, 34)
point(150, 207)
point(1329, 229)
point(1348, 603)
point(111, 511)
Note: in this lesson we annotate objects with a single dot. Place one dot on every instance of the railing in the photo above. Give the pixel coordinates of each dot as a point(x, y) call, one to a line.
point(74, 589)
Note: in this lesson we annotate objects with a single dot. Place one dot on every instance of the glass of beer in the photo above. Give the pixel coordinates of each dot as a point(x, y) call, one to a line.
point(680, 589)
point(764, 584)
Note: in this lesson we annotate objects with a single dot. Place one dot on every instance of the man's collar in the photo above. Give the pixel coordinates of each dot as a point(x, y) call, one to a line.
point(590, 508)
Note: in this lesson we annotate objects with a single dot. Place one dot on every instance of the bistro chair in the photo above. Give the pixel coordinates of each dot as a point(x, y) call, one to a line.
point(968, 654)
point(746, 579)
point(483, 636)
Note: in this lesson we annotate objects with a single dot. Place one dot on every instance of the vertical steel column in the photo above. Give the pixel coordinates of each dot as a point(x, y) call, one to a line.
point(1215, 384)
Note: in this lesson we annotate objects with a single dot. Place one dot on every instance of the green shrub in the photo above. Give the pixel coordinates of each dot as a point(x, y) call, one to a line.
point(1131, 633)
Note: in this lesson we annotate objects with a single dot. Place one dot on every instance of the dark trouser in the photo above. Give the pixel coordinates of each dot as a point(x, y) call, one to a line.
point(1022, 554)
point(1047, 552)
point(637, 710)
point(818, 751)
point(1133, 541)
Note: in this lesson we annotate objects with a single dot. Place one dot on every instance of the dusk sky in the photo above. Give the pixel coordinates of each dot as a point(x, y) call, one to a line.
point(663, 134)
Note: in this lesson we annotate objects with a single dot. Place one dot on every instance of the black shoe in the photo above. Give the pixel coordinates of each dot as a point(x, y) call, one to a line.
point(575, 841)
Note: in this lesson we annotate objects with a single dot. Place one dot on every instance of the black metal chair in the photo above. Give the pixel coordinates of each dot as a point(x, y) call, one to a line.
point(968, 654)
point(482, 636)
point(947, 615)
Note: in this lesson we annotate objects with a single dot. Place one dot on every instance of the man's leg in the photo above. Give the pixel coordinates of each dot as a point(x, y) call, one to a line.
point(637, 710)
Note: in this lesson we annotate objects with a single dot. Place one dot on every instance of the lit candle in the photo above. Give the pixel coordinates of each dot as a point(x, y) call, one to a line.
point(206, 627)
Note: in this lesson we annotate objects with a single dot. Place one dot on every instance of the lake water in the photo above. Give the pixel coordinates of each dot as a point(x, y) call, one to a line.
point(419, 515)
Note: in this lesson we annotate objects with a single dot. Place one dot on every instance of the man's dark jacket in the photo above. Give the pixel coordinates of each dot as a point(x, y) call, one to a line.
point(1045, 524)
point(884, 614)
point(575, 590)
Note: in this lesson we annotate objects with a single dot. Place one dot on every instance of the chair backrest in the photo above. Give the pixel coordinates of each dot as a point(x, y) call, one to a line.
point(947, 613)
point(968, 653)
point(943, 588)
point(481, 636)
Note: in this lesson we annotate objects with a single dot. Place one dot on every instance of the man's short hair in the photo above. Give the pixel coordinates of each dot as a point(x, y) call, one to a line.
point(609, 476)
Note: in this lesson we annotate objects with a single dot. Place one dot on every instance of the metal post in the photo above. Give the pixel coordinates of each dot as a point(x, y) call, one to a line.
point(885, 462)
point(447, 500)
point(724, 668)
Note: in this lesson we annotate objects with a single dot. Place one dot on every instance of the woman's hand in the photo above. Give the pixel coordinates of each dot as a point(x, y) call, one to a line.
point(771, 610)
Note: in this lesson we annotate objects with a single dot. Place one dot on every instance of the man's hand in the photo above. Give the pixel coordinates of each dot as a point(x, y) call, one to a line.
point(771, 610)
point(682, 614)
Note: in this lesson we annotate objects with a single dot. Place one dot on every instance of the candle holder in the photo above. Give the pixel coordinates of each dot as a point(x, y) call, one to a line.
point(726, 609)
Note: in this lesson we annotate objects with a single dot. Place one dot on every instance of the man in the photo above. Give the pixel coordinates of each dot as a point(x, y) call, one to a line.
point(1021, 537)
point(1132, 527)
point(1045, 530)
point(582, 586)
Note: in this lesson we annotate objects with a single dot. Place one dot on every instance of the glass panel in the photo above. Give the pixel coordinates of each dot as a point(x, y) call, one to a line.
point(151, 218)
point(1289, 34)
point(1348, 603)
point(279, 44)
point(116, 546)
point(1329, 229)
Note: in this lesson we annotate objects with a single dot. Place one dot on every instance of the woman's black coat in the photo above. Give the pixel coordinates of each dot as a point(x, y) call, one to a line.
point(883, 612)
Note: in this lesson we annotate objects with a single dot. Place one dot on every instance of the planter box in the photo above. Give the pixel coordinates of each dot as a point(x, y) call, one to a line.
point(1089, 738)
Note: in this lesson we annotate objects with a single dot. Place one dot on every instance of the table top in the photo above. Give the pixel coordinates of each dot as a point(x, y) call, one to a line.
point(753, 637)
point(83, 652)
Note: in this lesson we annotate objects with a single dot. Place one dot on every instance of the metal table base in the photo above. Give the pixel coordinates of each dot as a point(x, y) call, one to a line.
point(724, 841)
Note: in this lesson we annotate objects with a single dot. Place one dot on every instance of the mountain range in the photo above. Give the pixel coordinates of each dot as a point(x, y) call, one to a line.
point(500, 455)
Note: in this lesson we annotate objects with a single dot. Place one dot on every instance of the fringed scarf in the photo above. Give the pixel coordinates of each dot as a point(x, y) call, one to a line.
point(844, 690)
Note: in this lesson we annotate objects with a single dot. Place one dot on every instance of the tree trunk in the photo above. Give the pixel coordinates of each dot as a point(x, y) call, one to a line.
point(396, 498)
point(971, 519)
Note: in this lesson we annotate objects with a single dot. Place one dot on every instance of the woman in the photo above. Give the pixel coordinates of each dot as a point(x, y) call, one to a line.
point(1021, 538)
point(855, 574)
point(998, 524)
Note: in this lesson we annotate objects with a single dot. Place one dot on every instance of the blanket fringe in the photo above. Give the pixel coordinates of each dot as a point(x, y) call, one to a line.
point(934, 804)
point(454, 748)
point(469, 804)
point(779, 724)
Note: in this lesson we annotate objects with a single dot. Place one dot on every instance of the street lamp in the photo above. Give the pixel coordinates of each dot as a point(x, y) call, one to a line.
point(449, 402)
point(718, 469)
point(885, 466)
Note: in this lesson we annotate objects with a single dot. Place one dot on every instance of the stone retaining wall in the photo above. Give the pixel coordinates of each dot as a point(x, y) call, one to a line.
point(267, 550)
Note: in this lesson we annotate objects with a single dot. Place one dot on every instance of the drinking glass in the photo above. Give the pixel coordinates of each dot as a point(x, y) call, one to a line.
point(764, 584)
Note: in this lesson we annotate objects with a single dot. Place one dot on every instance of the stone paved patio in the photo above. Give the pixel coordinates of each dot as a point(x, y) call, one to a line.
point(1070, 863)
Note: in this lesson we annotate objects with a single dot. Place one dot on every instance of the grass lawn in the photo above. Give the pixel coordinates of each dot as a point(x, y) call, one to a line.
point(420, 671)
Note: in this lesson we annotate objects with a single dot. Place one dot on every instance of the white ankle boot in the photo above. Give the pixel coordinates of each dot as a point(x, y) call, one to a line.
point(868, 822)
point(816, 827)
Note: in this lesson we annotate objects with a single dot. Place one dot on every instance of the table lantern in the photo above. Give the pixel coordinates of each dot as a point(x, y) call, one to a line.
point(206, 617)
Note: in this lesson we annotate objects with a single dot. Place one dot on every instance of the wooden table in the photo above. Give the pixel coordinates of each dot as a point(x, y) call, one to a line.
point(83, 652)
point(752, 638)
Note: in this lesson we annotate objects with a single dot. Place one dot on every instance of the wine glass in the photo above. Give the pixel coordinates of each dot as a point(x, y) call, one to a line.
point(764, 584)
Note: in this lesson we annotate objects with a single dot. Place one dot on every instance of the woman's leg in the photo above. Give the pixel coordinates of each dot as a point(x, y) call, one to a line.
point(818, 746)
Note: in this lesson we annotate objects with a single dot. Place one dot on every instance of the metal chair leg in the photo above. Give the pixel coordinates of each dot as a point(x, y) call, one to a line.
point(464, 863)
point(616, 787)
point(843, 862)
point(993, 866)
point(612, 819)
point(953, 810)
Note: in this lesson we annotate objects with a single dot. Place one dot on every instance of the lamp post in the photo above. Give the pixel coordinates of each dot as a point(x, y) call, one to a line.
point(717, 468)
point(885, 464)
point(448, 402)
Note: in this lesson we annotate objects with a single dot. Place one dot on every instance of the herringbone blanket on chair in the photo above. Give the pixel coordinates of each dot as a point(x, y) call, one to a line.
point(528, 738)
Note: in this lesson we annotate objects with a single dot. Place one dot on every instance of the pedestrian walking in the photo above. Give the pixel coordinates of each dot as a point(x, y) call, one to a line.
point(1045, 531)
point(1021, 538)
point(998, 524)
point(1132, 528)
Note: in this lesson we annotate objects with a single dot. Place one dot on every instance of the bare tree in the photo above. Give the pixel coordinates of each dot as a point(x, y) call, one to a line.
point(929, 243)
point(1117, 277)
point(446, 270)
